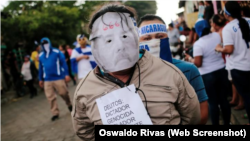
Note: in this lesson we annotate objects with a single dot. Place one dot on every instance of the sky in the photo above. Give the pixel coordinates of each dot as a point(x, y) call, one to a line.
point(167, 9)
point(3, 3)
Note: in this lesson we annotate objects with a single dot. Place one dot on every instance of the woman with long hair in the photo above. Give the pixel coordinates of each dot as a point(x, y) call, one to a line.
point(236, 38)
point(218, 23)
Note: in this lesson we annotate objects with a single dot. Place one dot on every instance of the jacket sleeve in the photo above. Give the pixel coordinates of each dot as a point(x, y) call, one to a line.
point(40, 71)
point(82, 125)
point(187, 103)
point(63, 64)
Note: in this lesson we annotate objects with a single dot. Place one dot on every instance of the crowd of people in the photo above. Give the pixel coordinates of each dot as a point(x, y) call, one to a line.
point(204, 80)
point(58, 66)
point(124, 54)
point(222, 55)
point(51, 68)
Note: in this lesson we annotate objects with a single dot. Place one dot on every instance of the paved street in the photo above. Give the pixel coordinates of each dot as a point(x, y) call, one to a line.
point(27, 119)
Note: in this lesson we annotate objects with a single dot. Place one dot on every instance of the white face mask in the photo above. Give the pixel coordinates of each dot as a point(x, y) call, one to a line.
point(114, 41)
point(153, 46)
point(46, 47)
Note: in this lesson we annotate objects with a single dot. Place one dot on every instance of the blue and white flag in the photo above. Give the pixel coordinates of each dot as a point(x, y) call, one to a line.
point(74, 65)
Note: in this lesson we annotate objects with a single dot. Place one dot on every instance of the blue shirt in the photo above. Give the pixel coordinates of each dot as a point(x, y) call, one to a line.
point(52, 66)
point(193, 76)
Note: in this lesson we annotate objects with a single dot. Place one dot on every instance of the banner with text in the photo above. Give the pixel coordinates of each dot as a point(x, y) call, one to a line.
point(123, 107)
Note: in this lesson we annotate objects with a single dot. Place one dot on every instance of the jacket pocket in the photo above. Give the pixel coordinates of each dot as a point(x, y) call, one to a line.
point(160, 93)
point(168, 88)
point(160, 102)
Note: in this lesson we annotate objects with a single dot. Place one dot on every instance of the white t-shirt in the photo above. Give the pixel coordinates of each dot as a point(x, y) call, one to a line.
point(84, 66)
point(205, 47)
point(240, 58)
point(26, 71)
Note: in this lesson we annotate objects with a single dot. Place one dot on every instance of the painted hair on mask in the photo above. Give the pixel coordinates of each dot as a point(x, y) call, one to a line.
point(120, 9)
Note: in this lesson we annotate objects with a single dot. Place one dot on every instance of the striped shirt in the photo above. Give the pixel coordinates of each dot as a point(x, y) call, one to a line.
point(193, 76)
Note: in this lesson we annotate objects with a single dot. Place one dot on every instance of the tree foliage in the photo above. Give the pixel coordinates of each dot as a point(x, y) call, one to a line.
point(28, 21)
point(142, 7)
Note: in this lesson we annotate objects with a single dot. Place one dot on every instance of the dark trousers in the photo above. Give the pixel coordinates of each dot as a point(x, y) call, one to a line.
point(71, 74)
point(241, 80)
point(217, 87)
point(18, 83)
point(31, 87)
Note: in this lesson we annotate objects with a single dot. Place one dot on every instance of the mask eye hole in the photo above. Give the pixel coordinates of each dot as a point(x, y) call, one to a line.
point(124, 36)
point(159, 37)
point(109, 41)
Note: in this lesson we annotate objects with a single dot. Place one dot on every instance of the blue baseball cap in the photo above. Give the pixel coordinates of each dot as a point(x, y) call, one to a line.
point(200, 25)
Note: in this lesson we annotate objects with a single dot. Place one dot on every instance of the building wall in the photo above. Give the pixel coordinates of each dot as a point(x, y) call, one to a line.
point(189, 7)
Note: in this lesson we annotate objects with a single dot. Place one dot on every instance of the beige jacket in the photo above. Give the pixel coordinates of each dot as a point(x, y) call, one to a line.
point(171, 100)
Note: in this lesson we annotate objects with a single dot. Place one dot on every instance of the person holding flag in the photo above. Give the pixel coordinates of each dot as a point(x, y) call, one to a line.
point(82, 60)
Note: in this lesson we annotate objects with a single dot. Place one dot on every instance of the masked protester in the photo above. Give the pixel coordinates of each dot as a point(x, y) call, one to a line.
point(81, 59)
point(53, 72)
point(157, 92)
point(158, 40)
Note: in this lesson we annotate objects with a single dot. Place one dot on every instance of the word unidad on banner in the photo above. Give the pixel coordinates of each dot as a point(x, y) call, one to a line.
point(123, 107)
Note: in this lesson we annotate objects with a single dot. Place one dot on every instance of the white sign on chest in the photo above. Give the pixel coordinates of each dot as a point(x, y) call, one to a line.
point(123, 107)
